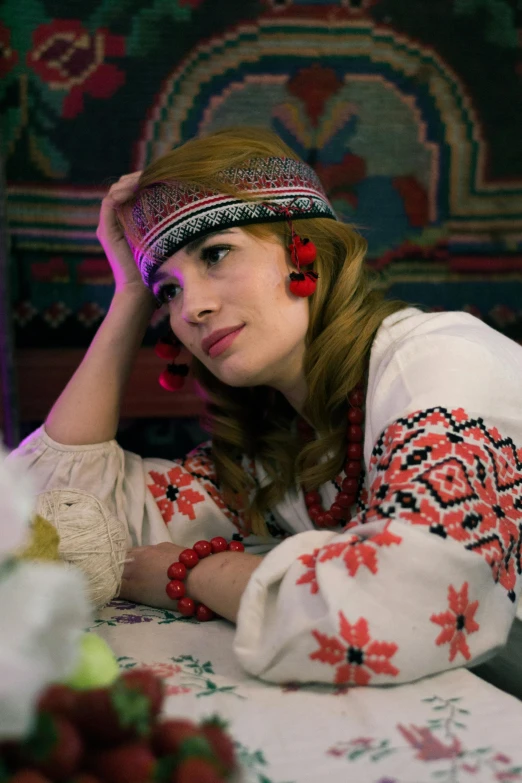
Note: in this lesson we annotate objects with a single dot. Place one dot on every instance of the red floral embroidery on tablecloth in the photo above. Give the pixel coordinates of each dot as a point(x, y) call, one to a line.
point(171, 490)
point(429, 747)
point(356, 655)
point(458, 478)
point(457, 622)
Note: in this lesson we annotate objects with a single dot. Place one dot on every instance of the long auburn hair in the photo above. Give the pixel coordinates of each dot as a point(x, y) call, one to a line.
point(346, 311)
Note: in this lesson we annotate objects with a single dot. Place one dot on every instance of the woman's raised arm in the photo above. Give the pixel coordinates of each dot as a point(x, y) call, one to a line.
point(88, 409)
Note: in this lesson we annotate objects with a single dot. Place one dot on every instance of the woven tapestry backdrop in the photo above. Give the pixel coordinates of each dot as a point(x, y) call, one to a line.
point(409, 110)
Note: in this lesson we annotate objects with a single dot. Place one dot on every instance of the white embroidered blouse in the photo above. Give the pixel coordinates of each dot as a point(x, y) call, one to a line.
point(428, 574)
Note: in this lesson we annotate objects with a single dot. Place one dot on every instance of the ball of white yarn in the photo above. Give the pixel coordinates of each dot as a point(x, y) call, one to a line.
point(91, 538)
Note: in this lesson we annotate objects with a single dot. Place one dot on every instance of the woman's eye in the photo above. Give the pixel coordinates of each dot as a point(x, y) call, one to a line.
point(215, 253)
point(167, 293)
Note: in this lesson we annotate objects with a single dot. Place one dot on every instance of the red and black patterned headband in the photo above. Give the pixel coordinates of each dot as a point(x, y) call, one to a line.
point(168, 215)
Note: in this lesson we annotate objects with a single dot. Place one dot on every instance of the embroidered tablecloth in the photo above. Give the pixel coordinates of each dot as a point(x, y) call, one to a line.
point(451, 728)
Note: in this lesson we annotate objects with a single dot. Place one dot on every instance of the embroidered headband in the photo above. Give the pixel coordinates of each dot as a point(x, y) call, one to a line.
point(168, 215)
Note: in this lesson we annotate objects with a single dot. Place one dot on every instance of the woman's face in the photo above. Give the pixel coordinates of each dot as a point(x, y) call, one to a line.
point(233, 279)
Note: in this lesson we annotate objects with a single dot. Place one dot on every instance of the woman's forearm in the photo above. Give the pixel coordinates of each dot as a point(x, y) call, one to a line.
point(87, 410)
point(219, 581)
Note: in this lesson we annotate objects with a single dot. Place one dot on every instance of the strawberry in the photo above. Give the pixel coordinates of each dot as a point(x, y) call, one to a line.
point(147, 683)
point(28, 776)
point(54, 747)
point(57, 699)
point(132, 762)
point(194, 769)
point(116, 714)
point(213, 730)
point(168, 735)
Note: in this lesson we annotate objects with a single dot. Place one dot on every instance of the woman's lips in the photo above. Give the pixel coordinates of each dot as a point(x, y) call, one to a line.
point(224, 343)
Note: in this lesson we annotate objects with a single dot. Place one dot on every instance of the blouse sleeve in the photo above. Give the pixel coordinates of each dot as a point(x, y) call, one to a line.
point(426, 577)
point(130, 500)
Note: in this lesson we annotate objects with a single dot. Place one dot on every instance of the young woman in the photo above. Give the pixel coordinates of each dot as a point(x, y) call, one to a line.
point(367, 453)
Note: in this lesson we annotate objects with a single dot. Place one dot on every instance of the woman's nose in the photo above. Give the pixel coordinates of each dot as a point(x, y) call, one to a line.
point(199, 301)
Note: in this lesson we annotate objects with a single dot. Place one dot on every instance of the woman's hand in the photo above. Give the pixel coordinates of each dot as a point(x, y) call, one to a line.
point(112, 239)
point(145, 575)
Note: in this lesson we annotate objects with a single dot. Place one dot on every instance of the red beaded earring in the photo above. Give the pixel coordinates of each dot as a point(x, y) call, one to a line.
point(173, 376)
point(303, 252)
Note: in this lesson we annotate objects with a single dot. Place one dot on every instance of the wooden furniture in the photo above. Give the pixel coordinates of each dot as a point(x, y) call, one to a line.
point(42, 374)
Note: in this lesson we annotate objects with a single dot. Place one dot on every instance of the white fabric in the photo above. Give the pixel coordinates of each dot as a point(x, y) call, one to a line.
point(43, 611)
point(400, 595)
point(450, 727)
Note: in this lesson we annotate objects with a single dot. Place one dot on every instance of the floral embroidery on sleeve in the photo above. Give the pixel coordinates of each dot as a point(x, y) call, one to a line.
point(356, 655)
point(172, 490)
point(457, 621)
point(309, 577)
point(354, 550)
point(451, 474)
point(200, 465)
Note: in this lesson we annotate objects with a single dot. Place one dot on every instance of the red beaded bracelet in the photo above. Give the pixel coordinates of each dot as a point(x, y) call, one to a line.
point(177, 573)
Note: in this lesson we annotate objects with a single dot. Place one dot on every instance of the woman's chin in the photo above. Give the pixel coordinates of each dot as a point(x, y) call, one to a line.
point(237, 376)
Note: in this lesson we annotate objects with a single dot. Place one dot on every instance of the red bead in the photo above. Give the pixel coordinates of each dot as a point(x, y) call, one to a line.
point(344, 500)
point(313, 511)
point(303, 250)
point(319, 520)
point(177, 571)
point(337, 511)
point(202, 549)
point(171, 382)
point(350, 486)
point(204, 614)
point(189, 558)
point(355, 416)
point(175, 589)
point(354, 451)
point(352, 467)
point(186, 606)
point(166, 350)
point(354, 433)
point(303, 287)
point(356, 397)
point(218, 544)
point(328, 520)
point(236, 546)
point(312, 498)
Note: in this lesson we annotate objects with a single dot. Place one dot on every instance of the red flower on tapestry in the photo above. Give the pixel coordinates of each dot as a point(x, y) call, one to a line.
point(457, 622)
point(359, 654)
point(173, 489)
point(309, 577)
point(8, 57)
point(68, 57)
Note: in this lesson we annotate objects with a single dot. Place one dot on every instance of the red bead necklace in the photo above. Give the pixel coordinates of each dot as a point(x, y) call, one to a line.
point(189, 558)
point(340, 509)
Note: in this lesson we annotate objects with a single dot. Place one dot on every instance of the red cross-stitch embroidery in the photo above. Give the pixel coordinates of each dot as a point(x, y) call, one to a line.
point(173, 489)
point(357, 551)
point(200, 465)
point(448, 472)
point(356, 655)
point(457, 622)
point(308, 578)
